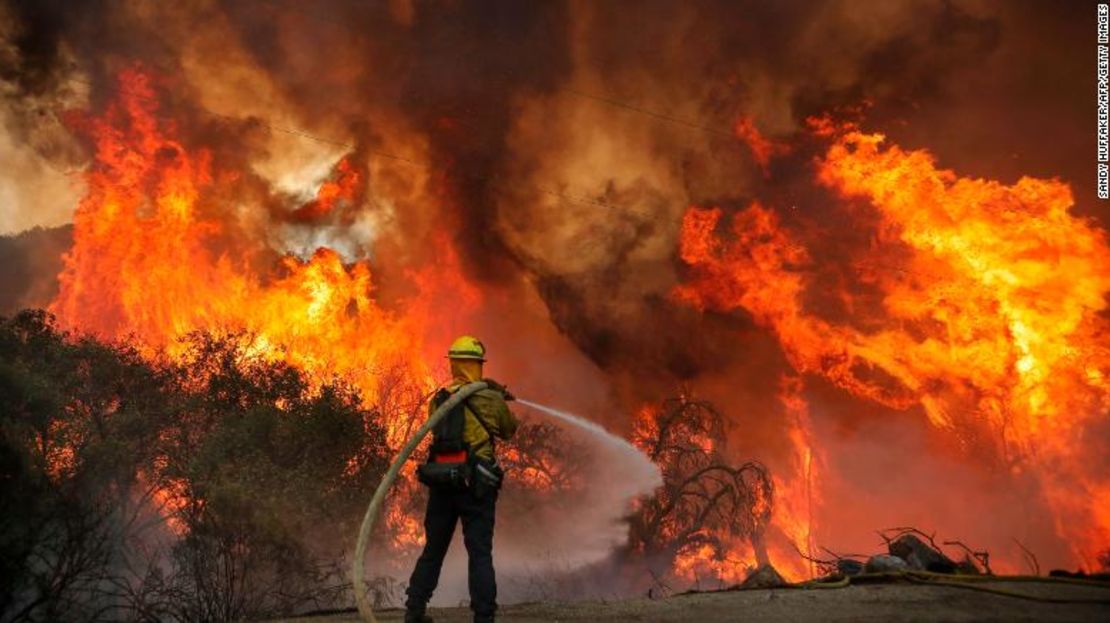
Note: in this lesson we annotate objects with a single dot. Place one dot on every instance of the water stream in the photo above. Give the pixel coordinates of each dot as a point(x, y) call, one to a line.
point(637, 460)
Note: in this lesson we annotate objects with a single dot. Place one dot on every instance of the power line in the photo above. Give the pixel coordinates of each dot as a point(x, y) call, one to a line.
point(656, 115)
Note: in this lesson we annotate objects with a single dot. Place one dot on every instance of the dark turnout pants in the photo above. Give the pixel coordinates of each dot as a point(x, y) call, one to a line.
point(445, 508)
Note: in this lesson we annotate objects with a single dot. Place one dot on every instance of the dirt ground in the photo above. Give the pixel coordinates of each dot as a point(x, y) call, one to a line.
point(873, 602)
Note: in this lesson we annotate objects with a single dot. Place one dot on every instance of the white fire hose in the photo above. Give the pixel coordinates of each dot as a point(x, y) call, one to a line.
point(358, 565)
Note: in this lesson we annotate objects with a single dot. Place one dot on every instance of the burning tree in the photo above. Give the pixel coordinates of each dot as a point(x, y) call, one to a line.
point(259, 458)
point(705, 502)
point(544, 459)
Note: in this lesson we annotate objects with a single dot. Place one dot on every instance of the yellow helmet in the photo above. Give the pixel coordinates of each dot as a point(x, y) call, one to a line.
point(467, 347)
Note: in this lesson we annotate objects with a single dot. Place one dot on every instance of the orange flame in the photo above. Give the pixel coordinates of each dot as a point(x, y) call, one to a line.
point(157, 254)
point(762, 148)
point(797, 495)
point(347, 185)
point(991, 319)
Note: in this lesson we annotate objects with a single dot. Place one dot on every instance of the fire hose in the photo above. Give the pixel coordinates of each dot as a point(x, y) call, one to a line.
point(366, 611)
point(968, 582)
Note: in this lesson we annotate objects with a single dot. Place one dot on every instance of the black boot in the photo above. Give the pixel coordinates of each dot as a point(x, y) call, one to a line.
point(417, 616)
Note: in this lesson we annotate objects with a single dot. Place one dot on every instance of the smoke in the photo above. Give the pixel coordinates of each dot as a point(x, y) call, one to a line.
point(617, 474)
point(554, 147)
point(898, 472)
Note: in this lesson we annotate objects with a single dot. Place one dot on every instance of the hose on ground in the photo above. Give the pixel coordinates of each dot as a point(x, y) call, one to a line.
point(954, 582)
point(365, 610)
point(968, 582)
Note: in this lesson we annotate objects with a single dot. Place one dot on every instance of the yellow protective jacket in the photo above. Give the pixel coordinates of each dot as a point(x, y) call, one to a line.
point(498, 420)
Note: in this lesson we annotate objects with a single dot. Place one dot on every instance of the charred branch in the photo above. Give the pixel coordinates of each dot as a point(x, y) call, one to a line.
point(1030, 558)
point(704, 499)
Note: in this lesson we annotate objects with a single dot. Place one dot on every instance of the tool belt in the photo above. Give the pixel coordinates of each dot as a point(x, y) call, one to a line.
point(455, 476)
point(481, 476)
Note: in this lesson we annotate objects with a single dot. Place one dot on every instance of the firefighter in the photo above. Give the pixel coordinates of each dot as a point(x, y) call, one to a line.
point(463, 478)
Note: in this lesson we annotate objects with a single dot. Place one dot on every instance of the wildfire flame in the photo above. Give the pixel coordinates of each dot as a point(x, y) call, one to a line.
point(991, 316)
point(763, 149)
point(157, 255)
